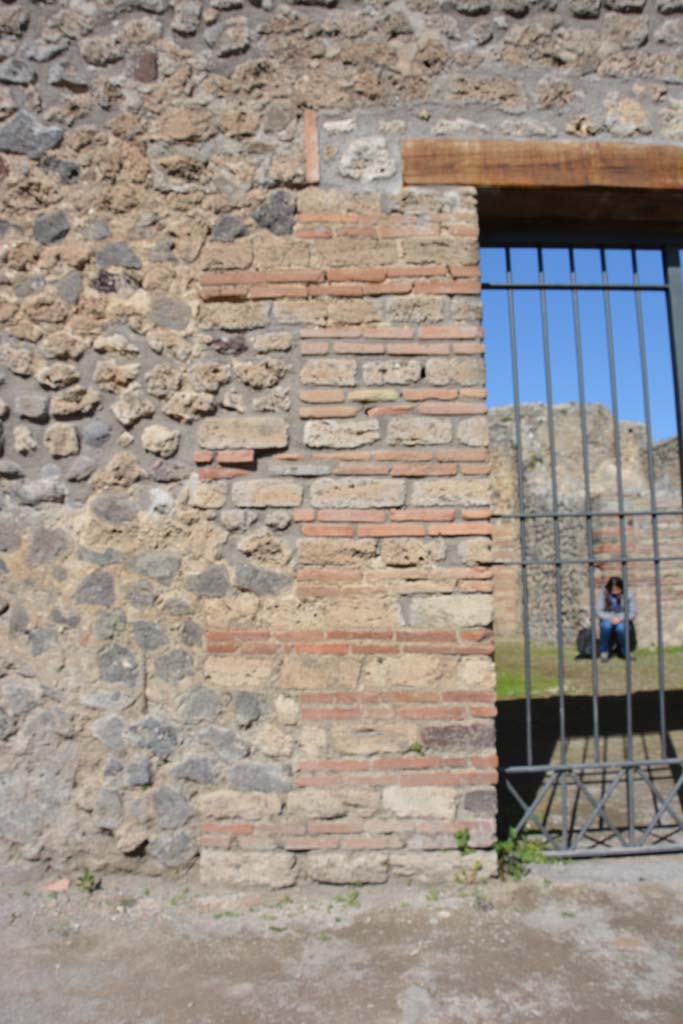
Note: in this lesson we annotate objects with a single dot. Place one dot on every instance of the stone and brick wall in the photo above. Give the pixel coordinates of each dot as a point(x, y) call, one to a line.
point(244, 523)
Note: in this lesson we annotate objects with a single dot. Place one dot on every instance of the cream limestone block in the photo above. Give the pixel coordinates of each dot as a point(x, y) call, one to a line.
point(452, 611)
point(319, 672)
point(408, 671)
point(240, 672)
point(420, 801)
point(235, 803)
point(277, 870)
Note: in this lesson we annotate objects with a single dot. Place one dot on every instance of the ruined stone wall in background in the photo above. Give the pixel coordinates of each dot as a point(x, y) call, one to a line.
point(245, 581)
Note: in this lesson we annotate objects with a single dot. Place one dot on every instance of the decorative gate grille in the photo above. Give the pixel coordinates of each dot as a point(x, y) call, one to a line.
point(584, 361)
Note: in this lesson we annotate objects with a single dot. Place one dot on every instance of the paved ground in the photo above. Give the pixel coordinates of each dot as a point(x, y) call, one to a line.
point(598, 942)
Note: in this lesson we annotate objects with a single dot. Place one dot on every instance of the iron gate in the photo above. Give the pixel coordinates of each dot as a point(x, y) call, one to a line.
point(577, 332)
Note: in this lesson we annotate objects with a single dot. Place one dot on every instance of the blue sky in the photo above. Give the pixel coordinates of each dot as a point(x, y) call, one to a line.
point(592, 316)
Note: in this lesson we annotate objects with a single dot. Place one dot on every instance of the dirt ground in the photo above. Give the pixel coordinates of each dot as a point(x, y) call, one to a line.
point(597, 941)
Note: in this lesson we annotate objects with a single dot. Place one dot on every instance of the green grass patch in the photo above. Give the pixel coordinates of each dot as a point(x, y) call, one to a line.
point(578, 674)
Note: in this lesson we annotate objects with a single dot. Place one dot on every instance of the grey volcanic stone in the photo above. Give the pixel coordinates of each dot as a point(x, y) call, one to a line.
point(154, 734)
point(18, 699)
point(28, 136)
point(67, 171)
point(8, 726)
point(277, 213)
point(109, 731)
point(42, 639)
point(106, 557)
point(69, 288)
point(142, 595)
point(169, 472)
point(174, 666)
point(38, 491)
point(227, 744)
point(247, 709)
point(114, 509)
point(10, 534)
point(81, 469)
point(16, 71)
point(196, 769)
point(158, 565)
point(10, 470)
point(139, 773)
point(166, 311)
point(481, 801)
point(266, 778)
point(191, 634)
point(200, 704)
point(118, 664)
point(171, 808)
point(227, 229)
point(46, 545)
point(108, 624)
point(32, 407)
point(212, 582)
point(96, 433)
point(96, 588)
point(108, 810)
point(148, 635)
point(51, 227)
point(174, 849)
point(118, 254)
point(259, 581)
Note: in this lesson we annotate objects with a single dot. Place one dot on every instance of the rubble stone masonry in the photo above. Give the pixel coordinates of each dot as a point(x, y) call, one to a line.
point(246, 593)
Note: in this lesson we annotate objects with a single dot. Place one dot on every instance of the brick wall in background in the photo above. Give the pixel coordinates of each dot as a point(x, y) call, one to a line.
point(376, 636)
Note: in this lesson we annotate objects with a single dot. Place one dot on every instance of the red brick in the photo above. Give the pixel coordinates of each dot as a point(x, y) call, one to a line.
point(458, 270)
point(389, 333)
point(303, 515)
point(407, 763)
point(330, 332)
point(394, 409)
point(474, 392)
point(420, 469)
point(476, 587)
point(311, 843)
point(437, 635)
point(436, 712)
point(476, 513)
point(404, 455)
point(392, 530)
point(359, 348)
point(321, 395)
point(477, 469)
point(467, 348)
point(416, 349)
point(218, 278)
point(356, 274)
point(447, 288)
point(202, 458)
point(485, 760)
point(460, 530)
point(362, 634)
point(356, 231)
point(314, 348)
point(235, 457)
point(311, 150)
point(453, 331)
point(389, 288)
point(320, 530)
point(303, 276)
point(335, 827)
point(483, 711)
point(319, 412)
point(347, 290)
point(297, 635)
point(462, 454)
point(323, 648)
point(320, 232)
point(279, 291)
point(329, 714)
point(233, 829)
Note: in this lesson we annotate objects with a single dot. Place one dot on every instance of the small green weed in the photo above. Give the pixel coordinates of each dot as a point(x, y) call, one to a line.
point(180, 897)
point(416, 748)
point(462, 838)
point(432, 895)
point(349, 899)
point(87, 882)
point(516, 853)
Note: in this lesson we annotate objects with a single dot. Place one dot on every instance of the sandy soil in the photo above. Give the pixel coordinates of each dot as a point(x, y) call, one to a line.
point(589, 941)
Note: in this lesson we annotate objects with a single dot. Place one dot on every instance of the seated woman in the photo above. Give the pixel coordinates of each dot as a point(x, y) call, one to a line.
point(610, 610)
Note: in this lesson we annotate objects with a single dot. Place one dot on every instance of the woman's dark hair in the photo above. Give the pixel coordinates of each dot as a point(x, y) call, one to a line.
point(612, 582)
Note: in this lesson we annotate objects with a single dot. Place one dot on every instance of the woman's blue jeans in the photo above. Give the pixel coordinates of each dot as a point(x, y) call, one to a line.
point(610, 633)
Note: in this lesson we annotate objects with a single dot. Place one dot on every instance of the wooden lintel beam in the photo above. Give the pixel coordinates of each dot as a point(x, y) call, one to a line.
point(502, 163)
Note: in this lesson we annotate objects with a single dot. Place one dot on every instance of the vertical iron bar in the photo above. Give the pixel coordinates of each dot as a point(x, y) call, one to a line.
point(521, 505)
point(622, 539)
point(653, 506)
point(556, 535)
point(588, 504)
point(675, 303)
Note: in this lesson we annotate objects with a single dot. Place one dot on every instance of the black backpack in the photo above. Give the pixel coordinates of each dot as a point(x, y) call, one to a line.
point(585, 641)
